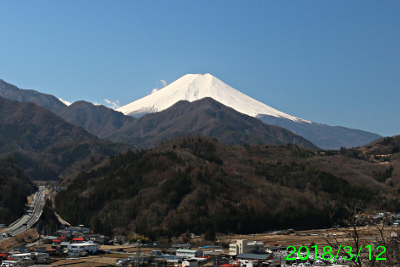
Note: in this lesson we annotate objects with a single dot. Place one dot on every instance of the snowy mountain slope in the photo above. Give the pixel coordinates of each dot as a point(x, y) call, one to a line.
point(193, 87)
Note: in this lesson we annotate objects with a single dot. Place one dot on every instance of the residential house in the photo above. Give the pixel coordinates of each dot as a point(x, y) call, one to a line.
point(9, 263)
point(36, 257)
point(21, 249)
point(89, 247)
point(77, 229)
point(182, 246)
point(189, 253)
point(245, 258)
point(190, 263)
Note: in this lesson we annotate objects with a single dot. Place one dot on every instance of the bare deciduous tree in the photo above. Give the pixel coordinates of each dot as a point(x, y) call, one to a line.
point(368, 245)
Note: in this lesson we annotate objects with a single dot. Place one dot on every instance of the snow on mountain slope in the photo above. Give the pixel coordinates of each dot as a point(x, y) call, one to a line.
point(193, 87)
point(65, 102)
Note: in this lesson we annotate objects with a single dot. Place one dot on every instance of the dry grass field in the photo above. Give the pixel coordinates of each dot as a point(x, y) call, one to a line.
point(321, 238)
point(90, 261)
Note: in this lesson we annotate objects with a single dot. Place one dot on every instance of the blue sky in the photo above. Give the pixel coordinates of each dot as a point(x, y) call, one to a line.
point(333, 62)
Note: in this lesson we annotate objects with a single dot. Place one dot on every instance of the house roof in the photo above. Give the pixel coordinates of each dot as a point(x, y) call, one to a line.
point(187, 250)
point(254, 256)
point(49, 237)
point(83, 244)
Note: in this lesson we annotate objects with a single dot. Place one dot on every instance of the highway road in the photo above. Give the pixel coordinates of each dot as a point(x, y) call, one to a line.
point(30, 217)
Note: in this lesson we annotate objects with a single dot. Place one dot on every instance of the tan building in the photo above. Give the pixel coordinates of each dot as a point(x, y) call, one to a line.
point(244, 246)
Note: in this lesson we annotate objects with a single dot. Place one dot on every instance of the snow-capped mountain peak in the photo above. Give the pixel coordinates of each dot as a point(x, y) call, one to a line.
point(192, 87)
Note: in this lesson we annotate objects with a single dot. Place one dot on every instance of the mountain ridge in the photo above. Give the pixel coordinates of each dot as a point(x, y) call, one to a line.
point(204, 117)
point(46, 145)
point(96, 119)
point(193, 87)
point(105, 122)
point(48, 101)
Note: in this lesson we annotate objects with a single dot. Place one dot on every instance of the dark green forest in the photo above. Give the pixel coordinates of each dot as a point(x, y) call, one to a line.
point(14, 189)
point(200, 185)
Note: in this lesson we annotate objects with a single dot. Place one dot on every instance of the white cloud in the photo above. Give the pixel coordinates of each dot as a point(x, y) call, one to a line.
point(163, 84)
point(112, 104)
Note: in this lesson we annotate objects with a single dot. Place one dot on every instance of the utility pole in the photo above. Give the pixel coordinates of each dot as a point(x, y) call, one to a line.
point(137, 251)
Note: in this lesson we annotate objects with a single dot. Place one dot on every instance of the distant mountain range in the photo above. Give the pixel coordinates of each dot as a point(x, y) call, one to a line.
point(167, 122)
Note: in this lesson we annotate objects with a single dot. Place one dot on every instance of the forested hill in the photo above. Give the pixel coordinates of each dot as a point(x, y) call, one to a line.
point(199, 184)
point(47, 146)
point(14, 189)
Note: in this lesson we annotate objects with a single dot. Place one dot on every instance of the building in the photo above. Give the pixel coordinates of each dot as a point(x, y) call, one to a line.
point(99, 239)
point(21, 249)
point(182, 246)
point(77, 229)
point(89, 247)
point(244, 246)
point(64, 245)
point(49, 239)
point(245, 258)
point(36, 257)
point(167, 258)
point(190, 263)
point(9, 263)
point(189, 253)
point(79, 239)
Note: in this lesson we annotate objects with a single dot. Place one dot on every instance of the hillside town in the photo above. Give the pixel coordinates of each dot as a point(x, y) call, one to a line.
point(79, 246)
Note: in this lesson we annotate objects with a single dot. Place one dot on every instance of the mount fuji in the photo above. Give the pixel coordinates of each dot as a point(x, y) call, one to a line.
point(192, 87)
